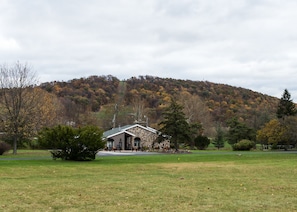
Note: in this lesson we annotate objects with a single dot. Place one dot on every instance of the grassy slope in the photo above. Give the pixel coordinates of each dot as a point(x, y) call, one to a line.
point(206, 181)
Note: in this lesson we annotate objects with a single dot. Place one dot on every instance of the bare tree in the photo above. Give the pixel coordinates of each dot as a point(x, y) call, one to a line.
point(195, 110)
point(17, 100)
point(138, 110)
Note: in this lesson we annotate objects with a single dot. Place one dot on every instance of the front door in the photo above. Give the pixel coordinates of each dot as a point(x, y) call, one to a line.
point(110, 144)
point(128, 141)
point(137, 142)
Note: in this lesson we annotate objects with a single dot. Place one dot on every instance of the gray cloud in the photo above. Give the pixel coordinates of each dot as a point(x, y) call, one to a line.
point(246, 43)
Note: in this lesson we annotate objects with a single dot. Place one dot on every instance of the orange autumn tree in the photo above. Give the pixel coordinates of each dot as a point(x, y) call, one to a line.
point(271, 133)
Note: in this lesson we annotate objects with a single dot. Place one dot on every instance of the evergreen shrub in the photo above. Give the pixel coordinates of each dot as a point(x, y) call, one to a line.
point(202, 142)
point(243, 145)
point(68, 143)
point(4, 147)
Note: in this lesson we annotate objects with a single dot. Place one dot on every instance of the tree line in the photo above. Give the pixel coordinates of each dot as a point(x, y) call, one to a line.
point(278, 132)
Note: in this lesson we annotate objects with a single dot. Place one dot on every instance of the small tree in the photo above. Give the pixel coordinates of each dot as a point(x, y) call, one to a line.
point(79, 144)
point(219, 142)
point(202, 142)
point(175, 125)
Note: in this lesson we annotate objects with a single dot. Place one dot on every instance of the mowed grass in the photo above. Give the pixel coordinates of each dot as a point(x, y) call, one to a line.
point(202, 181)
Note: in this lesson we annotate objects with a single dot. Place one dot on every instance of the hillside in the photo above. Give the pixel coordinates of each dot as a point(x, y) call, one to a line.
point(144, 97)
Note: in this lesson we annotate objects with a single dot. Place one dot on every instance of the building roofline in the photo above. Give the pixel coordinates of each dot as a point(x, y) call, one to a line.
point(145, 128)
point(118, 133)
point(127, 127)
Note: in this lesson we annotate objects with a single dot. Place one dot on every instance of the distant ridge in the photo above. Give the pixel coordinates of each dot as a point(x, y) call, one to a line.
point(221, 100)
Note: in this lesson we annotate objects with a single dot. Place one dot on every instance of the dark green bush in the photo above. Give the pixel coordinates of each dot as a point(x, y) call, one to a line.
point(243, 145)
point(201, 142)
point(68, 143)
point(4, 147)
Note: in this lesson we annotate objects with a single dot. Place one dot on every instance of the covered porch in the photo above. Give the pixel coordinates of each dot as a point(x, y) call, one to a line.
point(123, 141)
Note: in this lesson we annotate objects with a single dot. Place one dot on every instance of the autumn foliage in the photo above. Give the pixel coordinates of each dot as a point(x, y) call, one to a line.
point(215, 103)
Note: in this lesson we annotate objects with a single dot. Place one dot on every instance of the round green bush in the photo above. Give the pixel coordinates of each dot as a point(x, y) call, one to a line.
point(68, 143)
point(201, 142)
point(4, 147)
point(244, 145)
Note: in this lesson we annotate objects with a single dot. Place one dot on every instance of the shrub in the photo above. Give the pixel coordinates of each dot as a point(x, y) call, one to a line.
point(243, 145)
point(79, 144)
point(4, 147)
point(201, 142)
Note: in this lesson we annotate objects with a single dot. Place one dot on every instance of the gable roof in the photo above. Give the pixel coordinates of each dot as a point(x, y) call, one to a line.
point(124, 129)
point(140, 126)
point(114, 131)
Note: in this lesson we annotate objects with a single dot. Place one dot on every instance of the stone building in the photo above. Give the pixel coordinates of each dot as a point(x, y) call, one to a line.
point(131, 137)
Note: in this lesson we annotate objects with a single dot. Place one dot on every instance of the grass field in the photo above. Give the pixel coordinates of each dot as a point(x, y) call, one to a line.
point(202, 181)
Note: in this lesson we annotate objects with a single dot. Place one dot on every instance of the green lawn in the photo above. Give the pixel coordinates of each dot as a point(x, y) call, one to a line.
point(202, 181)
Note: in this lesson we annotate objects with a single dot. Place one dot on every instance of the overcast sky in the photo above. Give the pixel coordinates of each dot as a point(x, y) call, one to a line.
point(246, 43)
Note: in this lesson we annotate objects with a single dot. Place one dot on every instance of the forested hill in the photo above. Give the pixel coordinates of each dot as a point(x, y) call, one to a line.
point(147, 96)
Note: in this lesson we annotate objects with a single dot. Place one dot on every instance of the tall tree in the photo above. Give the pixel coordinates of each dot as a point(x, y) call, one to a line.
point(17, 99)
point(286, 107)
point(175, 124)
point(290, 134)
point(195, 110)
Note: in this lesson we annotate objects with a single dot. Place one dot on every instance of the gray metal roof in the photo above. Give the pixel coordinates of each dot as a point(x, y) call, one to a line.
point(115, 131)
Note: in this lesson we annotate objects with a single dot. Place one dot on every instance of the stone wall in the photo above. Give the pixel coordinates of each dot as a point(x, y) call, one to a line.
point(147, 137)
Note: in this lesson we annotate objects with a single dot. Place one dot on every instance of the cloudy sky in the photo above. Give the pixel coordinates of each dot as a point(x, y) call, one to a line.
point(246, 43)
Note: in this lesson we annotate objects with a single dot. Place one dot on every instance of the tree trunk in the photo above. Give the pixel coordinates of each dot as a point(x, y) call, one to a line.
point(15, 143)
point(176, 146)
